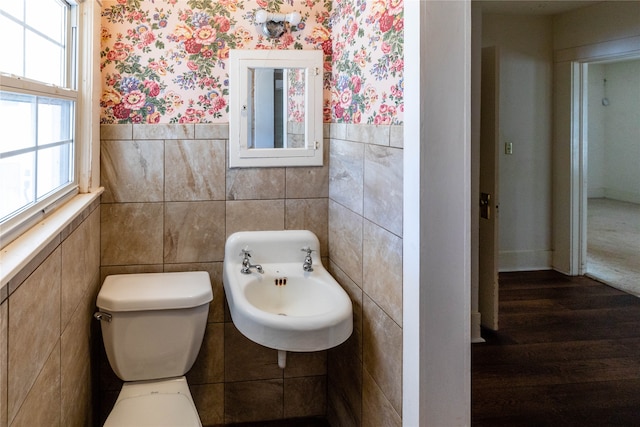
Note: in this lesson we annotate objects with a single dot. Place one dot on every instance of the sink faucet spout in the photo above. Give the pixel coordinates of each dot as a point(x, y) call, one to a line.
point(246, 264)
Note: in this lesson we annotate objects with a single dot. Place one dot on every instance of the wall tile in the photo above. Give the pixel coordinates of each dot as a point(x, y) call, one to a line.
point(31, 339)
point(4, 324)
point(305, 397)
point(209, 401)
point(132, 171)
point(32, 265)
point(252, 215)
point(41, 407)
point(164, 131)
point(309, 214)
point(306, 364)
point(383, 187)
point(194, 231)
point(212, 131)
point(245, 360)
point(75, 223)
point(92, 246)
point(124, 131)
point(253, 401)
point(209, 365)
point(75, 367)
point(346, 174)
point(131, 233)
point(376, 409)
point(217, 306)
point(194, 170)
point(396, 136)
point(129, 269)
point(337, 131)
point(382, 269)
point(255, 183)
point(344, 388)
point(370, 134)
point(382, 352)
point(355, 293)
point(74, 278)
point(345, 240)
point(309, 182)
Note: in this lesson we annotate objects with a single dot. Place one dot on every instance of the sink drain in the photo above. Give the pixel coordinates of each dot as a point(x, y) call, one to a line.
point(281, 314)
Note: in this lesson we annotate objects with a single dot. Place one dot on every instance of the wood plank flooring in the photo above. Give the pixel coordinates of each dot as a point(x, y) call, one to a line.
point(567, 354)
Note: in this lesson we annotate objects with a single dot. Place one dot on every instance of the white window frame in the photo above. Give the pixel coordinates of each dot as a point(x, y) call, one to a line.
point(81, 48)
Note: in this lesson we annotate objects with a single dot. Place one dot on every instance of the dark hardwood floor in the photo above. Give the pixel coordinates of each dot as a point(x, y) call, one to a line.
point(567, 354)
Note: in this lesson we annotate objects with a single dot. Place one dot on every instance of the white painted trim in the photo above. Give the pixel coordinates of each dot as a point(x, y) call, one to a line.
point(240, 154)
point(89, 82)
point(437, 217)
point(414, 12)
point(599, 51)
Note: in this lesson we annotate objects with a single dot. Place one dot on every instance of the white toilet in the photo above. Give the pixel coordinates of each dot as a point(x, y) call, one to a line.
point(152, 328)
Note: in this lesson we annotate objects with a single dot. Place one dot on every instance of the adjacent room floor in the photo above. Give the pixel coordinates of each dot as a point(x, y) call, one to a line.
point(567, 354)
point(613, 243)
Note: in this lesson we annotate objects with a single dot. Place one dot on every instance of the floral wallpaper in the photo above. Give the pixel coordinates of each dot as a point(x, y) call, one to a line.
point(367, 61)
point(165, 61)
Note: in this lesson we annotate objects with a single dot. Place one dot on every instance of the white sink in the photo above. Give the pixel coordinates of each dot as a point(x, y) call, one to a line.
point(285, 307)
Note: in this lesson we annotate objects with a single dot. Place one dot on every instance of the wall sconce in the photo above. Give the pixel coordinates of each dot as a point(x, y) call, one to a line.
point(273, 24)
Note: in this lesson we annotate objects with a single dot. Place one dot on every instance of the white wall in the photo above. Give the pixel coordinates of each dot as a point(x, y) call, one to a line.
point(596, 111)
point(608, 20)
point(622, 131)
point(614, 131)
point(596, 32)
point(525, 120)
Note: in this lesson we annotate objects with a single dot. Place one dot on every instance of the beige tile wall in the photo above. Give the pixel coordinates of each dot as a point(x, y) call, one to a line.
point(45, 331)
point(365, 250)
point(169, 204)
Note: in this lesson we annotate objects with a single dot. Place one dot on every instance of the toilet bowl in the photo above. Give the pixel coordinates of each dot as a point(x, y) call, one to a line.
point(162, 403)
point(152, 327)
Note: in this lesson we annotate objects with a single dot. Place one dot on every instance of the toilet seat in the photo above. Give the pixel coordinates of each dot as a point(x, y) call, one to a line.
point(165, 403)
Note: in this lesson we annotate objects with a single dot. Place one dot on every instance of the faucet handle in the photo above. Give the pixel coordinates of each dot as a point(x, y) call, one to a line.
point(308, 250)
point(245, 252)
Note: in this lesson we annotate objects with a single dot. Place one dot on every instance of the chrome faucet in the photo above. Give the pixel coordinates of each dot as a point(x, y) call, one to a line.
point(308, 262)
point(246, 264)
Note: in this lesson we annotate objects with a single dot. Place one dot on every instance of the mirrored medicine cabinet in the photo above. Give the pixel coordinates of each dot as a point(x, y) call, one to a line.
point(275, 108)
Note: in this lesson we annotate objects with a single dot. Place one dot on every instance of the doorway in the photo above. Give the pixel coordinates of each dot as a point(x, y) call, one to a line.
point(611, 140)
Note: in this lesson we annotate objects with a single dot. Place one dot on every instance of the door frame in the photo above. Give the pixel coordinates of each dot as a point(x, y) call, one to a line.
point(570, 148)
point(582, 75)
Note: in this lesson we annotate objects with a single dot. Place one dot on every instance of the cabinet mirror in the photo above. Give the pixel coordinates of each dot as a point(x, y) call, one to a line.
point(275, 108)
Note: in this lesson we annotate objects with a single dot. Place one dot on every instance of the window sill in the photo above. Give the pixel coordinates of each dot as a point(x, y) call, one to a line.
point(19, 253)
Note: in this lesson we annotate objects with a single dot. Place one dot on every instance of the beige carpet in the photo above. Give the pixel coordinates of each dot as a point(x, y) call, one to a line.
point(613, 243)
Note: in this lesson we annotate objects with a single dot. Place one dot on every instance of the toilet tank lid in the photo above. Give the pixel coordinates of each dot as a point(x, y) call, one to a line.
point(154, 291)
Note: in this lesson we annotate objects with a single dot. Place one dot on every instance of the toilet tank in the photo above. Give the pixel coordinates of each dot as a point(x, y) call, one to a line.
point(153, 323)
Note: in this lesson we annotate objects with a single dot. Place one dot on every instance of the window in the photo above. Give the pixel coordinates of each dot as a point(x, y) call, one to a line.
point(38, 99)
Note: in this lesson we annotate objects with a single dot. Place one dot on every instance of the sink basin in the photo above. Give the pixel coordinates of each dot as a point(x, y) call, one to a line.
point(285, 307)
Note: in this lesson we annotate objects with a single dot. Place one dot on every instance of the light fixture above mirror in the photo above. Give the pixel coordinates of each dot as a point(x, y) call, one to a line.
point(275, 108)
point(273, 24)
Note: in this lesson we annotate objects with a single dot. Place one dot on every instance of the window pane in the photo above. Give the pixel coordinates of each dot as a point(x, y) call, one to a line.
point(16, 183)
point(53, 168)
point(54, 120)
point(14, 8)
point(44, 60)
point(11, 59)
point(48, 17)
point(17, 119)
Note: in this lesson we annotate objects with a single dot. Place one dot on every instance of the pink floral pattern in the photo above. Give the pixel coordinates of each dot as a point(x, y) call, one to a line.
point(368, 62)
point(165, 61)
